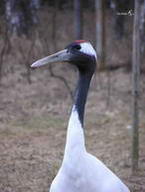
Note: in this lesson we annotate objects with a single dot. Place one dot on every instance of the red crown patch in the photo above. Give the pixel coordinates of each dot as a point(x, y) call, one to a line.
point(80, 41)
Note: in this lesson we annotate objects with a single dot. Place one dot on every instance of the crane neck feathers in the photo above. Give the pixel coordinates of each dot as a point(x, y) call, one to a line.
point(81, 94)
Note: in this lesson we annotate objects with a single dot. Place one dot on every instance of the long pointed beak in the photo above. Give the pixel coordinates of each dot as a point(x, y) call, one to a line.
point(61, 56)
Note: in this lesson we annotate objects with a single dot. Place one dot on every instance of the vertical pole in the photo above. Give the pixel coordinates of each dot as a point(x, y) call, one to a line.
point(135, 86)
point(78, 19)
point(100, 32)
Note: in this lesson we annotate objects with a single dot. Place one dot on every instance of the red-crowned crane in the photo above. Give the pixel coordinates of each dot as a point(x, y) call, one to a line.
point(80, 171)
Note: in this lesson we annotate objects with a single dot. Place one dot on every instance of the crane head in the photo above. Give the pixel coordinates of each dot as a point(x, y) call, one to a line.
point(79, 53)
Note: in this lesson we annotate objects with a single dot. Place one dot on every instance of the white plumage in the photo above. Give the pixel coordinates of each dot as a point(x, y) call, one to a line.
point(87, 48)
point(80, 171)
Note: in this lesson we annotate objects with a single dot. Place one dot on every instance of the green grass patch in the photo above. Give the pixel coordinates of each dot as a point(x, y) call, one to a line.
point(35, 124)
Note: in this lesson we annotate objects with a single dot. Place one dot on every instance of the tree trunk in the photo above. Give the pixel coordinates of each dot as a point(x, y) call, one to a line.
point(135, 86)
point(21, 15)
point(100, 32)
point(78, 19)
point(142, 29)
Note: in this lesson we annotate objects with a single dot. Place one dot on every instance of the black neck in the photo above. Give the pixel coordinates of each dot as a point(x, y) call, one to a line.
point(81, 94)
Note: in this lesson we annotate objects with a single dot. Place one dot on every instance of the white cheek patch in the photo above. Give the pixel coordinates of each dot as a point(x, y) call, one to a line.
point(87, 48)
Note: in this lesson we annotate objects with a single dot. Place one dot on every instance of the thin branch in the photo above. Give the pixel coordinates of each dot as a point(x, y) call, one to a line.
point(26, 58)
point(62, 79)
point(54, 25)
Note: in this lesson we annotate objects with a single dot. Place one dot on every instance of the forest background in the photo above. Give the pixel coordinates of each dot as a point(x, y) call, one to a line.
point(35, 104)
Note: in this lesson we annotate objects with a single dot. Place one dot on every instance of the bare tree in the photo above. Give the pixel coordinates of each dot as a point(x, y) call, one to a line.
point(5, 48)
point(21, 15)
point(26, 57)
point(54, 39)
point(142, 28)
point(52, 73)
point(100, 32)
point(78, 19)
point(135, 85)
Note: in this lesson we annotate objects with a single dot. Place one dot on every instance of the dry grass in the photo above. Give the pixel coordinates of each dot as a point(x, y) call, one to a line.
point(33, 129)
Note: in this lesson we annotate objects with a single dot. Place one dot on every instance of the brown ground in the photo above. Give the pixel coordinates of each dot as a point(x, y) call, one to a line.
point(33, 121)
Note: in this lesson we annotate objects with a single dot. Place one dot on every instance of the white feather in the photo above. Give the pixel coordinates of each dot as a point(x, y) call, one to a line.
point(80, 171)
point(87, 48)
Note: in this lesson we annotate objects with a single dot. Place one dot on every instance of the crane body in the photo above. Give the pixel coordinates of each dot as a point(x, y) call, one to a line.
point(81, 171)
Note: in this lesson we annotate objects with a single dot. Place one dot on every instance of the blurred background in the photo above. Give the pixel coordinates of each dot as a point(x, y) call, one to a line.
point(35, 104)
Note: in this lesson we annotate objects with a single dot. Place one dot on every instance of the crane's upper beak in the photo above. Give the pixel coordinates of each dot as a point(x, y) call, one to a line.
point(61, 56)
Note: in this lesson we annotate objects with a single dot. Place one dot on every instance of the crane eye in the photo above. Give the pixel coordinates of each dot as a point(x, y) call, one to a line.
point(78, 47)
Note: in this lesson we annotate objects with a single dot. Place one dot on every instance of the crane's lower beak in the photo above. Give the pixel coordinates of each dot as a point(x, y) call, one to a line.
point(61, 56)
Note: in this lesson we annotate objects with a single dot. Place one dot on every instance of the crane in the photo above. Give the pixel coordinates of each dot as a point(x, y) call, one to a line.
point(80, 171)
